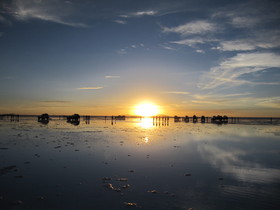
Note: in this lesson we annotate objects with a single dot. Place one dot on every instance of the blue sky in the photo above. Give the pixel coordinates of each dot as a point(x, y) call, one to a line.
point(104, 57)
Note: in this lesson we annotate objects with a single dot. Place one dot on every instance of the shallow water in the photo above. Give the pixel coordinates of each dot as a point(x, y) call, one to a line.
point(111, 165)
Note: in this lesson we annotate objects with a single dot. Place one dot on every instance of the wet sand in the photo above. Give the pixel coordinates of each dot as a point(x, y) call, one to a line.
point(134, 164)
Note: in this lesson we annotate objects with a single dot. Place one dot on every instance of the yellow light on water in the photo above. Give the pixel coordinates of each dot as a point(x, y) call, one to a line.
point(146, 123)
point(146, 109)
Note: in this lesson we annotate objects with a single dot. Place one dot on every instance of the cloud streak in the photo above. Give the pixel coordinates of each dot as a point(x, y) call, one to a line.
point(122, 22)
point(228, 72)
point(192, 28)
point(112, 77)
point(54, 11)
point(140, 14)
point(55, 102)
point(175, 92)
point(90, 88)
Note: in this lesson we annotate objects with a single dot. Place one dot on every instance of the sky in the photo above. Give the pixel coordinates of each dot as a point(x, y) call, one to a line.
point(103, 57)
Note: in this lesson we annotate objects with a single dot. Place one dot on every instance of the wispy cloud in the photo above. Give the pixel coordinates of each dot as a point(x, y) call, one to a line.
point(249, 14)
point(51, 102)
point(190, 42)
point(192, 28)
point(123, 22)
point(122, 52)
point(126, 49)
point(268, 40)
point(166, 47)
point(200, 51)
point(90, 88)
point(228, 72)
point(175, 92)
point(270, 102)
point(140, 14)
point(112, 77)
point(53, 11)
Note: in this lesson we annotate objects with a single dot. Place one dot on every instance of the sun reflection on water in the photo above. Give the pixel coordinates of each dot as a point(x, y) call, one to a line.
point(146, 139)
point(146, 123)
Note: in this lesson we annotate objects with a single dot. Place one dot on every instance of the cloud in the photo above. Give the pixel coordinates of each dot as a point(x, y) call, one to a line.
point(90, 88)
point(147, 12)
point(167, 47)
point(266, 40)
point(200, 51)
point(228, 72)
point(190, 42)
point(236, 46)
point(176, 92)
point(53, 11)
point(140, 14)
point(249, 14)
point(236, 161)
point(55, 102)
point(123, 22)
point(122, 52)
point(237, 94)
point(112, 77)
point(192, 28)
point(127, 49)
point(233, 101)
point(271, 102)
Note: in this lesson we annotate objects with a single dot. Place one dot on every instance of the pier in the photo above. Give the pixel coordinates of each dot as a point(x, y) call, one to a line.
point(160, 120)
point(10, 117)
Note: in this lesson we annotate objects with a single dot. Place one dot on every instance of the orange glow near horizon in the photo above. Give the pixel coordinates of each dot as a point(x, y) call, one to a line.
point(146, 109)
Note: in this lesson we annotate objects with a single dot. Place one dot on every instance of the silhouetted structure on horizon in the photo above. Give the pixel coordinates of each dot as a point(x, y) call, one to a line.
point(219, 119)
point(87, 118)
point(194, 119)
point(74, 119)
point(120, 117)
point(43, 118)
point(11, 117)
point(160, 121)
point(177, 119)
point(202, 119)
point(186, 118)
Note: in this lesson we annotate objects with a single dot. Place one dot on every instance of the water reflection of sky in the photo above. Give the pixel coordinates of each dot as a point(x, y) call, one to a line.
point(201, 166)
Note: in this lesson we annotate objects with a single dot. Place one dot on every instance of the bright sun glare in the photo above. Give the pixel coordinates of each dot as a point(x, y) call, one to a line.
point(146, 110)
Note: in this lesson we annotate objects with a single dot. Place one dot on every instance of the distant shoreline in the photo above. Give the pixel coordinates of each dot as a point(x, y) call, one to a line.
point(134, 116)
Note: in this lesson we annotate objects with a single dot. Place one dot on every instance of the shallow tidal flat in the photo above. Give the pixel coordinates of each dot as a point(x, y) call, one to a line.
point(136, 164)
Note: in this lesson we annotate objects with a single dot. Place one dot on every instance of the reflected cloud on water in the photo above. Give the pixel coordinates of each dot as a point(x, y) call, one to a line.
point(246, 162)
point(201, 166)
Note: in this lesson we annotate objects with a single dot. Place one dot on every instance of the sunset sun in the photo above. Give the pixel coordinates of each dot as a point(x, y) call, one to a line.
point(146, 109)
